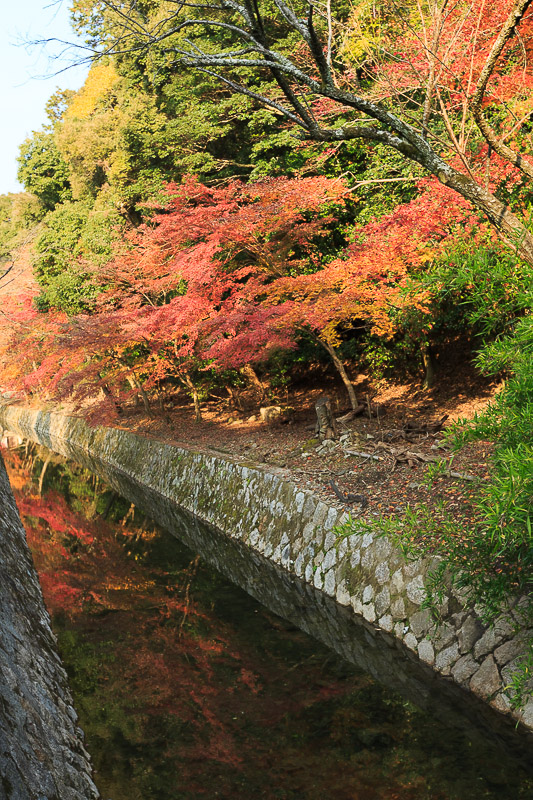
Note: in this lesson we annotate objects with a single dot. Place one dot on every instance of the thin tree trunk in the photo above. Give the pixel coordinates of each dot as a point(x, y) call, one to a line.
point(195, 397)
point(106, 391)
point(135, 384)
point(43, 473)
point(326, 425)
point(342, 372)
point(429, 367)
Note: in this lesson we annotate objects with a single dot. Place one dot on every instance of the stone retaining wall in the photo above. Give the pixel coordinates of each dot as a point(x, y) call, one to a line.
point(262, 509)
point(41, 746)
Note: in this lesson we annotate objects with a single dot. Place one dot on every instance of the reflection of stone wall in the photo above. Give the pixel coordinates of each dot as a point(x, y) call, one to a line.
point(295, 530)
point(41, 750)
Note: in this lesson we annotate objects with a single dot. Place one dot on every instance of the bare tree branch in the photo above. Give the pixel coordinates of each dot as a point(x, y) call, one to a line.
point(506, 33)
point(375, 121)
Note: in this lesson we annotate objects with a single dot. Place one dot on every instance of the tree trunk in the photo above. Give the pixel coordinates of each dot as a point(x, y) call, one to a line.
point(342, 372)
point(43, 473)
point(408, 141)
point(106, 391)
point(251, 376)
point(135, 384)
point(327, 427)
point(428, 361)
point(195, 397)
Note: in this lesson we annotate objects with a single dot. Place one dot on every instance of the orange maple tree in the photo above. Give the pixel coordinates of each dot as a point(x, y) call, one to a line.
point(223, 278)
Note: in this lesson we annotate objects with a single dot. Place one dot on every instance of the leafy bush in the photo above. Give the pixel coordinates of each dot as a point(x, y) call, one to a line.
point(75, 240)
point(42, 170)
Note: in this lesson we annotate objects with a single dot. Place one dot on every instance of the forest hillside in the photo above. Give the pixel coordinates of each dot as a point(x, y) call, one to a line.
point(248, 204)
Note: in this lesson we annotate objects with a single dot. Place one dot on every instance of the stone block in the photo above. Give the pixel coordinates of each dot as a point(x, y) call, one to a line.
point(501, 703)
point(447, 658)
point(527, 714)
point(382, 601)
point(521, 609)
point(383, 549)
point(416, 591)
point(299, 501)
point(444, 635)
point(331, 519)
point(400, 629)
point(368, 559)
point(382, 572)
point(321, 512)
point(356, 605)
point(386, 623)
point(343, 595)
point(509, 672)
point(421, 622)
point(299, 565)
point(509, 650)
point(329, 583)
point(470, 631)
point(369, 612)
point(412, 568)
point(342, 547)
point(368, 593)
point(486, 681)
point(426, 653)
point(309, 506)
point(329, 559)
point(410, 641)
point(458, 618)
point(464, 669)
point(308, 532)
point(494, 636)
point(398, 581)
point(398, 608)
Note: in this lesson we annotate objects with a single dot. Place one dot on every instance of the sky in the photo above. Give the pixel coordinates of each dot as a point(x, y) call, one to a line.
point(29, 75)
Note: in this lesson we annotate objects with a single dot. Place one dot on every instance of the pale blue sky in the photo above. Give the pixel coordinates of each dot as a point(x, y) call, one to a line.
point(27, 76)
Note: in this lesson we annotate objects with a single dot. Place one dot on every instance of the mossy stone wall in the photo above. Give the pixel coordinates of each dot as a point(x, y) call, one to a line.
point(294, 530)
point(42, 756)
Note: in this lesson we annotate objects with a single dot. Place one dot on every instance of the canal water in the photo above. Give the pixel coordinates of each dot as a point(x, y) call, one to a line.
point(187, 688)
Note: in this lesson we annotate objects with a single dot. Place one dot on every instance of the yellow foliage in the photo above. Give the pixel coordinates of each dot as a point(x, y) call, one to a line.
point(96, 90)
point(362, 36)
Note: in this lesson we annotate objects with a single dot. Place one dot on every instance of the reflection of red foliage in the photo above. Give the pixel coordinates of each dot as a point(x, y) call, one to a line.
point(60, 595)
point(161, 660)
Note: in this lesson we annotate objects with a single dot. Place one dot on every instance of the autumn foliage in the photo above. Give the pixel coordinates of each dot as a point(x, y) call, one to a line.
point(225, 277)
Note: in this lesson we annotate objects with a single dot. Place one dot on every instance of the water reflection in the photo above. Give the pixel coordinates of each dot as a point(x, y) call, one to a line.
point(187, 688)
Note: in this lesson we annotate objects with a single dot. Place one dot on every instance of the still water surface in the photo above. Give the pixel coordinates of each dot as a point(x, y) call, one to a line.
point(187, 688)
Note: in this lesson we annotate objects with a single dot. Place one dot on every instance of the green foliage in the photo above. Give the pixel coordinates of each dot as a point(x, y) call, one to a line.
point(382, 179)
point(479, 287)
point(75, 239)
point(19, 213)
point(57, 245)
point(505, 502)
point(43, 171)
point(477, 290)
